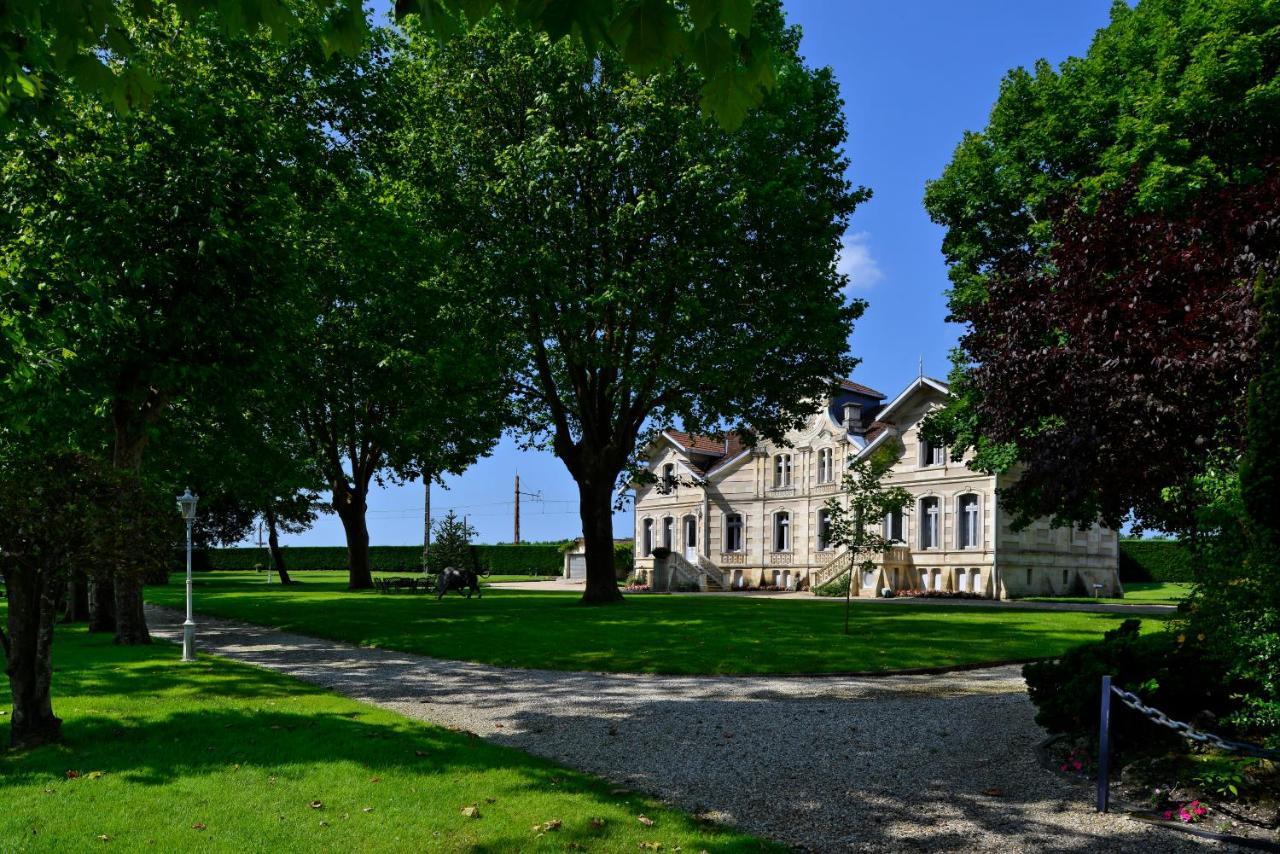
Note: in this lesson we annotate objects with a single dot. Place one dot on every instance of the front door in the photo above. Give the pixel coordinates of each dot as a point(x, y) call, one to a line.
point(691, 539)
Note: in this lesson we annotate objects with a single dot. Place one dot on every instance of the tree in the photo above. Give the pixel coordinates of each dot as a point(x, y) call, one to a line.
point(1126, 147)
point(856, 516)
point(650, 266)
point(452, 546)
point(398, 375)
point(1116, 363)
point(92, 44)
point(59, 511)
point(147, 256)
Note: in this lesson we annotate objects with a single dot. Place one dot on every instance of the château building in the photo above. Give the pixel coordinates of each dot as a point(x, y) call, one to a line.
point(738, 517)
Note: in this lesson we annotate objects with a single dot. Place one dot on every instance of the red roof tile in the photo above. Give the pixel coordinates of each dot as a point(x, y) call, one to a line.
point(850, 385)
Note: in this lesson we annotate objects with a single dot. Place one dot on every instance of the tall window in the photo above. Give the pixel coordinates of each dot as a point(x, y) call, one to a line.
point(931, 454)
point(668, 531)
point(648, 537)
point(968, 522)
point(930, 523)
point(893, 527)
point(781, 470)
point(668, 478)
point(782, 532)
point(824, 529)
point(826, 465)
point(733, 532)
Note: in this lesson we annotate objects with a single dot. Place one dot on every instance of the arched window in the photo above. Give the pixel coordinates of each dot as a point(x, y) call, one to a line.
point(733, 532)
point(647, 538)
point(893, 527)
point(968, 527)
point(668, 531)
point(824, 529)
point(930, 523)
point(826, 465)
point(781, 471)
point(782, 531)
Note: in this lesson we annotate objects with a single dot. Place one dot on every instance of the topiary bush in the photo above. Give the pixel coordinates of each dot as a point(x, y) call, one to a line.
point(1160, 667)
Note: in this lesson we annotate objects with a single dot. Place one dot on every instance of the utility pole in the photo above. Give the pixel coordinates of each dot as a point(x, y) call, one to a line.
point(536, 496)
point(426, 520)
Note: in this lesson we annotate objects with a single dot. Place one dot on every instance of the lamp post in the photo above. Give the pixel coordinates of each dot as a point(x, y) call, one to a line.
point(187, 507)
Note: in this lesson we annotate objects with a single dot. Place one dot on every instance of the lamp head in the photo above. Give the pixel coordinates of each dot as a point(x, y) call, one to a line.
point(187, 504)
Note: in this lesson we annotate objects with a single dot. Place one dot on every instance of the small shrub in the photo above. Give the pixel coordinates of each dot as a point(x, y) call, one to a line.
point(1170, 675)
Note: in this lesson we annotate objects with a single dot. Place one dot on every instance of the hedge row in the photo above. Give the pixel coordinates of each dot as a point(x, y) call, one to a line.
point(1155, 560)
point(503, 559)
point(523, 559)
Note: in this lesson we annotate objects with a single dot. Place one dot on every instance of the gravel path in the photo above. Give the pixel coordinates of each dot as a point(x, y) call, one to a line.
point(894, 763)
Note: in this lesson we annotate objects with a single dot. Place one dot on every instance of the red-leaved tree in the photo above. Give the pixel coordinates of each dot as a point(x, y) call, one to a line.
point(1118, 364)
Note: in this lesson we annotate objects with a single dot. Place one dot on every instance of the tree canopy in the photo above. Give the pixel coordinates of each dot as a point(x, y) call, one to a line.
point(649, 267)
point(1088, 340)
point(92, 42)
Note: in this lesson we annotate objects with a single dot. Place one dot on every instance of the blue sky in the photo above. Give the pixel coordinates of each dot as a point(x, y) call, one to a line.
point(914, 77)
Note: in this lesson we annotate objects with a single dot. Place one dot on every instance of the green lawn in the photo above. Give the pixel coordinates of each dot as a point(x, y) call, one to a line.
point(1135, 593)
point(221, 756)
point(649, 633)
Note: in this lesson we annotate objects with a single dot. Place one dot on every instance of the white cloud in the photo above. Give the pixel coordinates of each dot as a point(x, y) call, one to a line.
point(856, 261)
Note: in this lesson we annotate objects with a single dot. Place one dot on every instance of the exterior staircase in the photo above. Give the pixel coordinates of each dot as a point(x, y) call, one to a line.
point(674, 570)
point(836, 567)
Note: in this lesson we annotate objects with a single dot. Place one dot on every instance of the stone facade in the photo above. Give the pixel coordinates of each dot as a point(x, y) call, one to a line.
point(751, 517)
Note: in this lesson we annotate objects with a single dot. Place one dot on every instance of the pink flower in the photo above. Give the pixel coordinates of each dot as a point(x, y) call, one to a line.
point(1064, 766)
point(1200, 810)
point(1168, 815)
point(1077, 765)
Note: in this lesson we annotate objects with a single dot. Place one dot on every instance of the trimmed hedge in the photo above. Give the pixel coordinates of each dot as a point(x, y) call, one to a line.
point(1155, 560)
point(524, 559)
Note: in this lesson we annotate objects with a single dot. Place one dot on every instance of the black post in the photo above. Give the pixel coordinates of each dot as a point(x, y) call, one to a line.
point(1104, 746)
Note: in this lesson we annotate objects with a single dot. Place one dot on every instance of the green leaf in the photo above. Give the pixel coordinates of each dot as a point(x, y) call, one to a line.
point(650, 34)
point(737, 14)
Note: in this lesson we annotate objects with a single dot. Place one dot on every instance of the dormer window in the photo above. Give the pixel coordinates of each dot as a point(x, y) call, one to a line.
point(826, 465)
point(931, 454)
point(781, 471)
point(668, 483)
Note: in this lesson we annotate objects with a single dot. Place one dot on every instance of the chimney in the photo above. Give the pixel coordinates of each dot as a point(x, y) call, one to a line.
point(853, 418)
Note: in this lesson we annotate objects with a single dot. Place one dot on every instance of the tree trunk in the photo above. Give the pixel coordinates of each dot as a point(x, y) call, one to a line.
point(595, 506)
point(131, 619)
point(102, 604)
point(33, 608)
point(273, 542)
point(77, 598)
point(351, 512)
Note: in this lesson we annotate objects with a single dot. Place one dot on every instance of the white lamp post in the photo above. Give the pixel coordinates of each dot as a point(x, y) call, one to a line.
point(187, 507)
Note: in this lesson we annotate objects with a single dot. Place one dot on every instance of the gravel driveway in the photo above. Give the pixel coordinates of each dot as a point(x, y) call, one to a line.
point(894, 763)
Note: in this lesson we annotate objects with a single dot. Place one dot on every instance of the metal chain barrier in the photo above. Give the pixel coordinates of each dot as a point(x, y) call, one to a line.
point(1189, 732)
point(1156, 716)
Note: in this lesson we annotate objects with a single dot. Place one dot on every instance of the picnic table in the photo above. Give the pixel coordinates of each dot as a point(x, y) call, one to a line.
point(411, 584)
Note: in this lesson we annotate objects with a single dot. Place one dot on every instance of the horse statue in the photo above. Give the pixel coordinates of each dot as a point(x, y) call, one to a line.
point(465, 581)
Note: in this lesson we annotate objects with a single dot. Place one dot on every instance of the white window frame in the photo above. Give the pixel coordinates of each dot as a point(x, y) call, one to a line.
point(669, 532)
point(646, 536)
point(728, 526)
point(927, 451)
point(826, 465)
point(781, 523)
point(965, 539)
point(781, 471)
point(824, 526)
point(935, 542)
point(668, 479)
point(902, 526)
